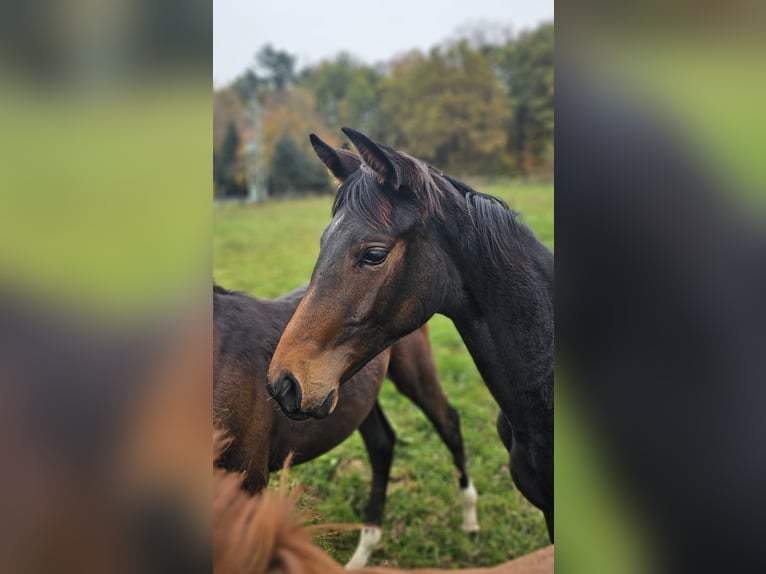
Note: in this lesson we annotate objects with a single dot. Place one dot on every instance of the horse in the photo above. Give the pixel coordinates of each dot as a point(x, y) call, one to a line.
point(265, 534)
point(246, 332)
point(407, 241)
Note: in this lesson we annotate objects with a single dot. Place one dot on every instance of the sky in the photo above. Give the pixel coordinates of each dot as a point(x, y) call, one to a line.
point(372, 30)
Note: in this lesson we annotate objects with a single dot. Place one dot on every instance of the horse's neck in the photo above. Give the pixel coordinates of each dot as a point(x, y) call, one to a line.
point(518, 370)
point(486, 351)
point(501, 292)
point(506, 321)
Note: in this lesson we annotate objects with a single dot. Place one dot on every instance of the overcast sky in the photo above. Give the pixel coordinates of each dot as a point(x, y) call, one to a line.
point(372, 30)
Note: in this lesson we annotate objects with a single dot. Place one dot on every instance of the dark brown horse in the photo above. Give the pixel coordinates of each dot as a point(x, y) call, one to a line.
point(405, 242)
point(246, 332)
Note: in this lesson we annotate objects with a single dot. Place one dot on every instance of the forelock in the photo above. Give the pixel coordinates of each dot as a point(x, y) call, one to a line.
point(365, 197)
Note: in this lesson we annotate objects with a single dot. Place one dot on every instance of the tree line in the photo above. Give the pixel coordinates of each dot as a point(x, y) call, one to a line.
point(470, 106)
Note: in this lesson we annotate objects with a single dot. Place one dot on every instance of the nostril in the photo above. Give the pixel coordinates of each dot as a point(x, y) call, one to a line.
point(283, 385)
point(287, 393)
point(324, 409)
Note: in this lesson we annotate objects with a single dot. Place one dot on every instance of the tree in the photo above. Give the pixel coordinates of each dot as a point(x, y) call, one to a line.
point(447, 108)
point(291, 113)
point(228, 170)
point(227, 108)
point(525, 65)
point(230, 144)
point(279, 66)
point(248, 84)
point(293, 171)
point(346, 92)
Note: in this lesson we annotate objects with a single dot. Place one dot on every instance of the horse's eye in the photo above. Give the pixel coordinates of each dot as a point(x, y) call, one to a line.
point(374, 256)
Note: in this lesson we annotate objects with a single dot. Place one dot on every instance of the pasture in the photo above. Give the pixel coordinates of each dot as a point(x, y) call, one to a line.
point(270, 248)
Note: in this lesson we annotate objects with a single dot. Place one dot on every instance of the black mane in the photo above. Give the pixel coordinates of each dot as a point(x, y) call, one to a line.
point(496, 224)
point(220, 290)
point(360, 195)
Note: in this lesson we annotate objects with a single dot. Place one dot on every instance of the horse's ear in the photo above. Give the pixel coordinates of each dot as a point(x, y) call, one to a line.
point(340, 162)
point(375, 156)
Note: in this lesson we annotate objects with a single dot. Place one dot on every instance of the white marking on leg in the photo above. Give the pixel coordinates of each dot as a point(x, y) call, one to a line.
point(469, 496)
point(368, 540)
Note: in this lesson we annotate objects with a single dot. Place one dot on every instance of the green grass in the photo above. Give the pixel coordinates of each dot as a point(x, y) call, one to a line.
point(270, 248)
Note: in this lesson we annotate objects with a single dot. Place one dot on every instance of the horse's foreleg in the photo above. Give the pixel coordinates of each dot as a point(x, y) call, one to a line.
point(256, 472)
point(252, 462)
point(532, 472)
point(505, 431)
point(413, 371)
point(379, 439)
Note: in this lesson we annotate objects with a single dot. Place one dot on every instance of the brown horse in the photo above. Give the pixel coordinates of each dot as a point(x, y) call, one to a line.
point(407, 241)
point(246, 332)
point(265, 534)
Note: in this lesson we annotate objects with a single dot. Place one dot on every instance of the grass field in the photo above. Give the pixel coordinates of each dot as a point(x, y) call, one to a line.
point(270, 248)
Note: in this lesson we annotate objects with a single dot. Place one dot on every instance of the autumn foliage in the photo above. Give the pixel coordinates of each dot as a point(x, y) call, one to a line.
point(470, 106)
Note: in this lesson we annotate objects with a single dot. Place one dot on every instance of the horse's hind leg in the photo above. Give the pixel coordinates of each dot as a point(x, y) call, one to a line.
point(379, 438)
point(413, 371)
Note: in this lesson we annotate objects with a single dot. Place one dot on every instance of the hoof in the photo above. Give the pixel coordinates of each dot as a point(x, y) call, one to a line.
point(471, 528)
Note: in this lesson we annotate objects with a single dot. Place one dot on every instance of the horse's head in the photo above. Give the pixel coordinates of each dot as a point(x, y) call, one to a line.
point(372, 282)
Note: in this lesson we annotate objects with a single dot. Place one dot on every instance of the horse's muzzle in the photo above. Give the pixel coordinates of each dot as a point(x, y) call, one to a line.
point(288, 395)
